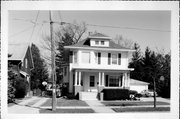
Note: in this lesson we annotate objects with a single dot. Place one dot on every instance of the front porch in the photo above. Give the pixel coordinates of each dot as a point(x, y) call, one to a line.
point(95, 81)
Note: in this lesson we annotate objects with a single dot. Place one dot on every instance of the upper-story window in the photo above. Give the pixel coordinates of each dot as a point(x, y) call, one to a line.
point(96, 57)
point(99, 58)
point(75, 56)
point(26, 63)
point(114, 58)
point(97, 42)
point(102, 42)
point(85, 57)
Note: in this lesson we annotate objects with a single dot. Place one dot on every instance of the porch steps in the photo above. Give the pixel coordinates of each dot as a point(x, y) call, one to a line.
point(88, 96)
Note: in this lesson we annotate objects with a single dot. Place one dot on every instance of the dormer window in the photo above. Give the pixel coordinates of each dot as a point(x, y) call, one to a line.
point(102, 42)
point(97, 42)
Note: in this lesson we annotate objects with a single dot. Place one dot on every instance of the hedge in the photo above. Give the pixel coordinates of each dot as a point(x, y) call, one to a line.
point(116, 94)
point(21, 86)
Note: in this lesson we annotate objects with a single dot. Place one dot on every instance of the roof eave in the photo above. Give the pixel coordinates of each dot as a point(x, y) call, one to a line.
point(106, 38)
point(103, 49)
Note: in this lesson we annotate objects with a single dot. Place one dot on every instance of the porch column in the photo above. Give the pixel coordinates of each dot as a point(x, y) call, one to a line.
point(123, 80)
point(128, 78)
point(79, 78)
point(102, 78)
point(76, 78)
point(99, 78)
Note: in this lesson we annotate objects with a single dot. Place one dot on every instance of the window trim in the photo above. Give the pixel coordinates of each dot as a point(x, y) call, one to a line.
point(102, 42)
point(89, 61)
point(120, 83)
point(112, 59)
point(96, 57)
point(99, 57)
point(26, 63)
point(91, 81)
point(74, 57)
point(96, 42)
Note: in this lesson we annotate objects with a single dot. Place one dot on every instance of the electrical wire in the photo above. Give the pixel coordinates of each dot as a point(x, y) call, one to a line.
point(132, 28)
point(28, 28)
point(34, 27)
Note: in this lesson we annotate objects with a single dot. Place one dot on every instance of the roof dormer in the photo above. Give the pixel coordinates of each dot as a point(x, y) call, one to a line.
point(99, 40)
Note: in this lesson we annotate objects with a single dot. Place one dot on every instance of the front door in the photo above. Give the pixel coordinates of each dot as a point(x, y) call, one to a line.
point(92, 84)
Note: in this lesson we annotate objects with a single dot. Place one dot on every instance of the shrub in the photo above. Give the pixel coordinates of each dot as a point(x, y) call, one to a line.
point(132, 92)
point(21, 86)
point(116, 94)
point(11, 89)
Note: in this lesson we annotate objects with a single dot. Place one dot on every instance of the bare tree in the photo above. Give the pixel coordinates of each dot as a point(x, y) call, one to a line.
point(74, 31)
point(124, 42)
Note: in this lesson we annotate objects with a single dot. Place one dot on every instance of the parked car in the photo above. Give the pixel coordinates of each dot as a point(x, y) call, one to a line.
point(151, 93)
point(148, 93)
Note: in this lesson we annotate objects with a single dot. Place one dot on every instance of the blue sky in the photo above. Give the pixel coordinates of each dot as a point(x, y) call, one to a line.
point(21, 30)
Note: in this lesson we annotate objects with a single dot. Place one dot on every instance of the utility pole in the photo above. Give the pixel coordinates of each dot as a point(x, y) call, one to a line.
point(53, 73)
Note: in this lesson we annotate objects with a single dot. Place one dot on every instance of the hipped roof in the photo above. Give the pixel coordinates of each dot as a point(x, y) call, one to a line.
point(86, 43)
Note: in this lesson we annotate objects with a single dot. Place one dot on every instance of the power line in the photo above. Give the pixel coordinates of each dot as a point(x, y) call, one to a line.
point(34, 27)
point(97, 25)
point(28, 28)
point(132, 28)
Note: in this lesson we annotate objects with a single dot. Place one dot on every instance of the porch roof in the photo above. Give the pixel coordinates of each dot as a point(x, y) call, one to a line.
point(104, 70)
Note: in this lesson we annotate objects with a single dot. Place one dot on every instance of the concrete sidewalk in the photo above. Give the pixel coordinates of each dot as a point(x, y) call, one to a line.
point(98, 107)
point(157, 99)
point(24, 108)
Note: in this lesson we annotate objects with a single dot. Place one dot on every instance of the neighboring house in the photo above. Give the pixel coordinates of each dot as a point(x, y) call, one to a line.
point(20, 56)
point(97, 63)
point(138, 85)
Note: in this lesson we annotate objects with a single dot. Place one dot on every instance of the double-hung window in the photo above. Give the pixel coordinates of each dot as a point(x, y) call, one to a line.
point(114, 58)
point(98, 58)
point(75, 57)
point(97, 42)
point(102, 42)
point(86, 57)
point(113, 81)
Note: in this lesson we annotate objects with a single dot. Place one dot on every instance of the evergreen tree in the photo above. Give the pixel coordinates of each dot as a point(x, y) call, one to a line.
point(40, 72)
point(136, 63)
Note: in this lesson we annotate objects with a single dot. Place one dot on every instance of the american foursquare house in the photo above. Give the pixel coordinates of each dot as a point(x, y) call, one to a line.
point(96, 63)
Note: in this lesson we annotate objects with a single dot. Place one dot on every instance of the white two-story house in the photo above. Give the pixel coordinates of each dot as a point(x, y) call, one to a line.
point(97, 63)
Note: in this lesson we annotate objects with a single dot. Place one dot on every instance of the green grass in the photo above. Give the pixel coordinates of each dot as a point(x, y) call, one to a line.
point(133, 103)
point(142, 109)
point(67, 111)
point(66, 102)
point(33, 102)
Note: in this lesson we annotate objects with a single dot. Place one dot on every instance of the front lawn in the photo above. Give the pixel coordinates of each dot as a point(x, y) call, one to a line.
point(67, 111)
point(132, 103)
point(66, 102)
point(141, 109)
